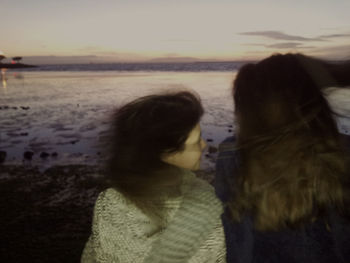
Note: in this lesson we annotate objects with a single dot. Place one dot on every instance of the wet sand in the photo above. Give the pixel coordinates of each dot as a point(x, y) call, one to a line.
point(63, 118)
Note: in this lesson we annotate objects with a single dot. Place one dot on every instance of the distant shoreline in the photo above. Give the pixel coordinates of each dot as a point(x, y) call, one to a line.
point(17, 65)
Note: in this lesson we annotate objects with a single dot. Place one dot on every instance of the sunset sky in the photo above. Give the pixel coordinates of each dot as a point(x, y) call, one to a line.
point(139, 30)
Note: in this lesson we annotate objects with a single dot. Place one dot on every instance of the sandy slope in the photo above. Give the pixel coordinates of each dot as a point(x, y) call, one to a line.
point(46, 217)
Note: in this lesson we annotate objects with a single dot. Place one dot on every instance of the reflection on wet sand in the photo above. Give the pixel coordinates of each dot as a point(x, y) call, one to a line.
point(3, 79)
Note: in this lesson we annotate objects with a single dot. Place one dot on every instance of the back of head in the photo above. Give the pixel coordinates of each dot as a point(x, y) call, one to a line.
point(279, 92)
point(293, 164)
point(143, 130)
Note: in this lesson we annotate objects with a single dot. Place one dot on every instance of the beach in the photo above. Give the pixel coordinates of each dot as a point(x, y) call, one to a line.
point(54, 131)
point(54, 127)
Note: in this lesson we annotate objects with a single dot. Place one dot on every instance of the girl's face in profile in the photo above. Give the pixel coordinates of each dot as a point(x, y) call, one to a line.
point(190, 157)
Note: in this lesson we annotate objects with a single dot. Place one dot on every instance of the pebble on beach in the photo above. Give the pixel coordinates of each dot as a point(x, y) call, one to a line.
point(3, 155)
point(74, 141)
point(44, 155)
point(28, 155)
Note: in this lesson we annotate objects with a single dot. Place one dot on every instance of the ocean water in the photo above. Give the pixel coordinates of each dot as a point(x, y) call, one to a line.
point(67, 109)
point(145, 67)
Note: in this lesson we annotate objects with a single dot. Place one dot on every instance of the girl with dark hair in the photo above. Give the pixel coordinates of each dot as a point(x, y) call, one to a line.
point(284, 177)
point(156, 210)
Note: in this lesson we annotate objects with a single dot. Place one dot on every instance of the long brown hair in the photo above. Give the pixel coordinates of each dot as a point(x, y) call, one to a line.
point(293, 167)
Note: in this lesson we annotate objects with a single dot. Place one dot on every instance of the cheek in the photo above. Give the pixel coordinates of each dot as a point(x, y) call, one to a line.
point(192, 157)
point(194, 152)
point(189, 159)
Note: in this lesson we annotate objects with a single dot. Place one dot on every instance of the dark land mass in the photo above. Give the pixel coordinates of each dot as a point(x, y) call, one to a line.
point(46, 216)
point(17, 65)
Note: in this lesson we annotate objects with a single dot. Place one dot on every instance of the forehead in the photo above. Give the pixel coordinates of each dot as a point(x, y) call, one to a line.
point(194, 135)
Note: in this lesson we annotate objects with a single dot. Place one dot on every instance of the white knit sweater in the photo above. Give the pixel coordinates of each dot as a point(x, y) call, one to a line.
point(193, 232)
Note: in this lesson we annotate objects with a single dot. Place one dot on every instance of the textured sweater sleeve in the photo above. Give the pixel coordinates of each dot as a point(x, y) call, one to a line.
point(112, 239)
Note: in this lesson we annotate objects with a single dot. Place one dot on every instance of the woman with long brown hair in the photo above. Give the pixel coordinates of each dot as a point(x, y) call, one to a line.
point(156, 209)
point(284, 177)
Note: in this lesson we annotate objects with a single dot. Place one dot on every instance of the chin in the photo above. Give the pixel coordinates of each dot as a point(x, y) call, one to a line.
point(196, 167)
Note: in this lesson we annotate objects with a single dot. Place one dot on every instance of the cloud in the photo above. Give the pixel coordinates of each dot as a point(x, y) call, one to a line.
point(97, 50)
point(280, 36)
point(89, 49)
point(107, 53)
point(284, 45)
point(253, 44)
point(335, 36)
point(179, 40)
point(288, 45)
point(171, 55)
point(175, 59)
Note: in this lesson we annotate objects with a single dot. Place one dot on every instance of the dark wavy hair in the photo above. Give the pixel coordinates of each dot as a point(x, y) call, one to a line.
point(293, 165)
point(145, 129)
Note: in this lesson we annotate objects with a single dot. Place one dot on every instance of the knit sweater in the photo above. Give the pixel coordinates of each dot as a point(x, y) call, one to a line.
point(314, 243)
point(193, 231)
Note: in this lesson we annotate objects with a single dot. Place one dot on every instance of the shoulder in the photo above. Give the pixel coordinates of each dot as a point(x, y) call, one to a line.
point(198, 192)
point(120, 231)
point(227, 164)
point(110, 197)
point(227, 148)
point(112, 204)
point(115, 213)
point(193, 183)
point(228, 154)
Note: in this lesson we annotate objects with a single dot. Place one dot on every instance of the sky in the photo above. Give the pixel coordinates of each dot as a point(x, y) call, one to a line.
point(142, 30)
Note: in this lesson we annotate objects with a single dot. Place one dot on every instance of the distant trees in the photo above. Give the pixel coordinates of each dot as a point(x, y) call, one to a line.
point(17, 59)
point(2, 57)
